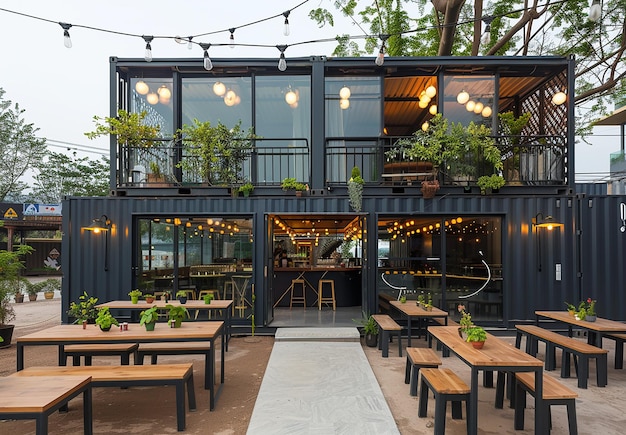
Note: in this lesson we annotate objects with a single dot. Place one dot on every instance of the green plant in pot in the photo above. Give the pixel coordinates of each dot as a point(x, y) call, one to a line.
point(33, 290)
point(207, 298)
point(149, 298)
point(477, 336)
point(84, 310)
point(128, 127)
point(149, 317)
point(10, 265)
point(489, 183)
point(246, 189)
point(370, 330)
point(134, 295)
point(510, 128)
point(181, 295)
point(105, 319)
point(175, 315)
point(290, 183)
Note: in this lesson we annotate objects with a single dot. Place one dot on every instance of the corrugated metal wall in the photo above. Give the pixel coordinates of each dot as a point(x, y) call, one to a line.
point(595, 270)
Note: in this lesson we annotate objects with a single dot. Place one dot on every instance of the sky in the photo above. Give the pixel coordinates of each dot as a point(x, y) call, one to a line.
point(62, 89)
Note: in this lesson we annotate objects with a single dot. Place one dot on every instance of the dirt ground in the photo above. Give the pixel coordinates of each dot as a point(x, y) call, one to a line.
point(151, 410)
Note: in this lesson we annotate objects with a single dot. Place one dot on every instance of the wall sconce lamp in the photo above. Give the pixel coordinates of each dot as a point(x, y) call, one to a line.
point(99, 225)
point(547, 222)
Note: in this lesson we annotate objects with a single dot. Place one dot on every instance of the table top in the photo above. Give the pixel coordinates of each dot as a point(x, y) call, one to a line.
point(600, 325)
point(61, 334)
point(495, 352)
point(410, 308)
point(216, 304)
point(207, 275)
point(39, 393)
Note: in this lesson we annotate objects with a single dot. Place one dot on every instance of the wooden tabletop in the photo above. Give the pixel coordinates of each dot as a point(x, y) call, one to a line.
point(92, 334)
point(495, 352)
point(600, 325)
point(410, 308)
point(38, 394)
point(216, 304)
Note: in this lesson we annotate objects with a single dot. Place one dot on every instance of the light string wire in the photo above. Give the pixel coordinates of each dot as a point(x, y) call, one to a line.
point(314, 41)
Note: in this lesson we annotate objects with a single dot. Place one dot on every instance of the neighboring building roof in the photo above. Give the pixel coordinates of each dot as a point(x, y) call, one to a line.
point(618, 117)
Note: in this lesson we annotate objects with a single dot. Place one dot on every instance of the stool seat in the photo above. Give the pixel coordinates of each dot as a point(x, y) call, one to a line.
point(298, 299)
point(321, 299)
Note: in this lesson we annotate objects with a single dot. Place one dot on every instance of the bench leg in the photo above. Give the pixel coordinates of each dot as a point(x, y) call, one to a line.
point(88, 412)
point(520, 406)
point(415, 372)
point(139, 358)
point(407, 371)
point(518, 339)
point(385, 344)
point(440, 414)
point(457, 410)
point(400, 344)
point(191, 393)
point(500, 383)
point(619, 354)
point(571, 417)
point(601, 370)
point(75, 360)
point(583, 371)
point(565, 364)
point(41, 424)
point(422, 408)
point(180, 405)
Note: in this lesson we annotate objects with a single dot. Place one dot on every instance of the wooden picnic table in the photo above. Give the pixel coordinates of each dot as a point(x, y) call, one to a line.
point(496, 354)
point(62, 335)
point(412, 311)
point(595, 329)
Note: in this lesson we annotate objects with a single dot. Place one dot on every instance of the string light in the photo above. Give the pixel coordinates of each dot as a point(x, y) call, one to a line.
point(231, 42)
point(485, 38)
point(219, 89)
point(66, 34)
point(148, 53)
point(463, 97)
point(595, 11)
point(208, 65)
point(380, 58)
point(282, 62)
point(344, 93)
point(142, 88)
point(286, 25)
point(189, 43)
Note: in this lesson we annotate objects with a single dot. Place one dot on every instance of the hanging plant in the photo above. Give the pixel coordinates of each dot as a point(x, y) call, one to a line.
point(355, 189)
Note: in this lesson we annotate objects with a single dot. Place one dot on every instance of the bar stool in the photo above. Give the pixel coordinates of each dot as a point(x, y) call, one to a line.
point(320, 290)
point(299, 299)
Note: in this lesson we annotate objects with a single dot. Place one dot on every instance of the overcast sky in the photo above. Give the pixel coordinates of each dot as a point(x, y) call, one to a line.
point(62, 89)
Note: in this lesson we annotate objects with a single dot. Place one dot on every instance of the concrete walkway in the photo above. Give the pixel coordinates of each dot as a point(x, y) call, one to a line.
point(319, 381)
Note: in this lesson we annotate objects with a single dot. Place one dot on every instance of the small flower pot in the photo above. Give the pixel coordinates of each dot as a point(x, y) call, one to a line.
point(182, 299)
point(590, 318)
point(149, 300)
point(478, 344)
point(134, 299)
point(150, 326)
point(105, 329)
point(371, 340)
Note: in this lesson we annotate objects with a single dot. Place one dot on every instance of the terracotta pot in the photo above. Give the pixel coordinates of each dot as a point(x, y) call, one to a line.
point(478, 344)
point(32, 298)
point(149, 300)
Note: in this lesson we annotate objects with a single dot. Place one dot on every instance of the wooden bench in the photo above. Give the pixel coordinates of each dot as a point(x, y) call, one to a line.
point(417, 358)
point(124, 350)
point(446, 386)
point(26, 398)
point(619, 348)
point(388, 326)
point(177, 348)
point(554, 393)
point(582, 353)
point(179, 375)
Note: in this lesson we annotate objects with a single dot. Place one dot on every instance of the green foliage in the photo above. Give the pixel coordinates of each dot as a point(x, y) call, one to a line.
point(10, 282)
point(369, 325)
point(291, 183)
point(216, 153)
point(476, 333)
point(151, 315)
point(493, 181)
point(84, 309)
point(181, 294)
point(135, 293)
point(129, 128)
point(20, 148)
point(176, 312)
point(466, 318)
point(62, 175)
point(105, 319)
point(246, 188)
point(50, 284)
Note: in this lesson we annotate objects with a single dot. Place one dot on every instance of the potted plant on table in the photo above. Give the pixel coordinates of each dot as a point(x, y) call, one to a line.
point(587, 310)
point(149, 298)
point(84, 310)
point(175, 315)
point(477, 336)
point(181, 295)
point(149, 317)
point(105, 319)
point(571, 308)
point(10, 265)
point(134, 295)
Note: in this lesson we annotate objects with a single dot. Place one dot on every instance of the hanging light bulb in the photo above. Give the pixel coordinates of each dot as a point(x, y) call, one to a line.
point(485, 38)
point(66, 34)
point(164, 92)
point(595, 11)
point(431, 91)
point(344, 93)
point(463, 97)
point(189, 43)
point(425, 126)
point(559, 98)
point(291, 97)
point(433, 109)
point(148, 52)
point(208, 65)
point(231, 43)
point(380, 58)
point(286, 25)
point(478, 107)
point(344, 104)
point(230, 98)
point(486, 112)
point(152, 98)
point(423, 103)
point(219, 89)
point(282, 62)
point(141, 87)
point(470, 106)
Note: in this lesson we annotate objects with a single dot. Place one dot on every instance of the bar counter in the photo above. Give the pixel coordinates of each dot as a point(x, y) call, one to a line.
point(347, 284)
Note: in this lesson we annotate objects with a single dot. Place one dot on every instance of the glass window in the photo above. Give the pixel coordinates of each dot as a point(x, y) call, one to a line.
point(358, 115)
point(154, 95)
point(469, 98)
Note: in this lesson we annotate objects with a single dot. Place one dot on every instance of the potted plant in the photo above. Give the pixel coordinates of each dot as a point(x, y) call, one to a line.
point(84, 310)
point(149, 298)
point(477, 336)
point(181, 295)
point(355, 189)
point(429, 188)
point(291, 183)
point(176, 314)
point(510, 129)
point(33, 291)
point(370, 330)
point(571, 308)
point(215, 153)
point(208, 298)
point(129, 129)
point(49, 286)
point(246, 189)
point(465, 322)
point(134, 295)
point(587, 310)
point(490, 183)
point(149, 317)
point(105, 319)
point(19, 295)
point(155, 176)
point(10, 265)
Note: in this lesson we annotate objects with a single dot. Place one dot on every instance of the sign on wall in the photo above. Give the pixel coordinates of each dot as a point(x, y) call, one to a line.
point(42, 210)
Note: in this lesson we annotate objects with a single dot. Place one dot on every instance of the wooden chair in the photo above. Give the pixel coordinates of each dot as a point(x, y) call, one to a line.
point(320, 290)
point(298, 299)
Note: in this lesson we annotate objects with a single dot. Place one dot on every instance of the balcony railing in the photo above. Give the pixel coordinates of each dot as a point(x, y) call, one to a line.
point(537, 160)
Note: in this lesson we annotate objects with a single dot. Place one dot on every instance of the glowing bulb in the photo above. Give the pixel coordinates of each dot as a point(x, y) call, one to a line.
point(344, 104)
point(148, 52)
point(141, 87)
point(423, 104)
point(595, 11)
point(559, 98)
point(433, 109)
point(219, 89)
point(164, 92)
point(478, 107)
point(486, 112)
point(152, 98)
point(462, 98)
point(344, 93)
point(291, 97)
point(282, 62)
point(431, 91)
point(425, 126)
point(470, 106)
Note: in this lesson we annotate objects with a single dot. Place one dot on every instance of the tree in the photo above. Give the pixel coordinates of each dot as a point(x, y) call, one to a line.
point(20, 149)
point(516, 27)
point(61, 175)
